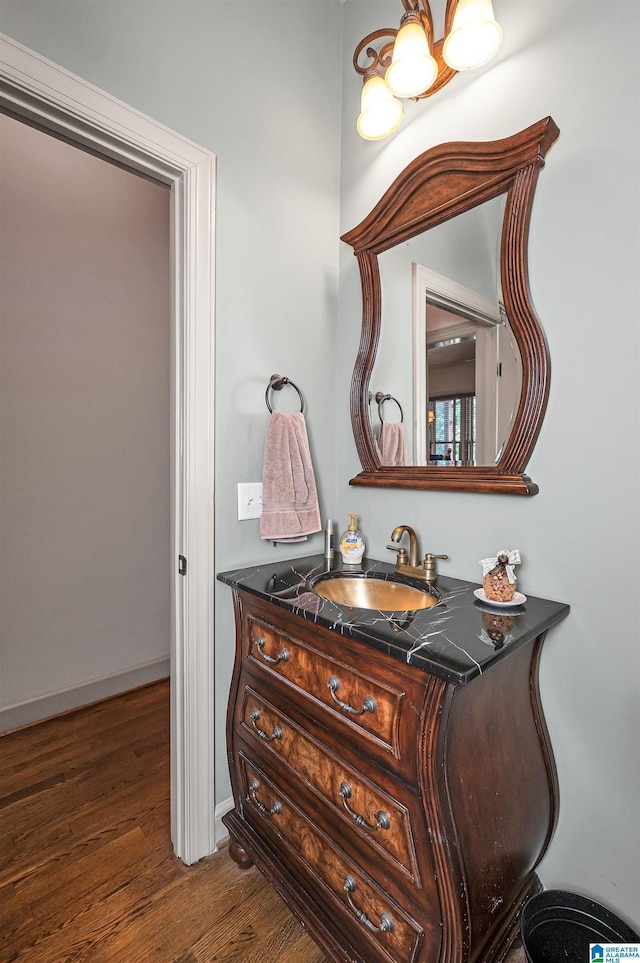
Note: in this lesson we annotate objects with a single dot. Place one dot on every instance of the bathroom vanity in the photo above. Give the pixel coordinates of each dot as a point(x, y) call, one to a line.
point(391, 772)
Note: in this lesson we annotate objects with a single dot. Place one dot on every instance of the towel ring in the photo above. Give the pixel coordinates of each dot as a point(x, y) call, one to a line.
point(381, 398)
point(277, 383)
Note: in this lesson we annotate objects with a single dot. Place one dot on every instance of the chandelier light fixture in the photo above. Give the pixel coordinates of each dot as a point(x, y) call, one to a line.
point(416, 67)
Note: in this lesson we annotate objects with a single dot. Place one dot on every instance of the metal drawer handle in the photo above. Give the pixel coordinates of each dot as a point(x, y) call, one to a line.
point(277, 731)
point(382, 820)
point(283, 657)
point(369, 704)
point(386, 923)
point(253, 790)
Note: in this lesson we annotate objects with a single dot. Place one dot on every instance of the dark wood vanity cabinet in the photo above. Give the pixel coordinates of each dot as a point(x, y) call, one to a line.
point(400, 815)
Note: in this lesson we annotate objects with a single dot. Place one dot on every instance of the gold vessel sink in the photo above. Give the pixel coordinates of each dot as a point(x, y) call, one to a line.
point(365, 592)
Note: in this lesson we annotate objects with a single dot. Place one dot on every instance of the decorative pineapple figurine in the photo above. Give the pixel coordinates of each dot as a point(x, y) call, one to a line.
point(498, 576)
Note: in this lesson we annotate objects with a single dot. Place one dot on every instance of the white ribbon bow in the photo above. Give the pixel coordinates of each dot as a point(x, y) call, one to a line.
point(513, 558)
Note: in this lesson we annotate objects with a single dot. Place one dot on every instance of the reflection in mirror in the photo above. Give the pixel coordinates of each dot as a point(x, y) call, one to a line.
point(467, 374)
point(459, 365)
point(446, 246)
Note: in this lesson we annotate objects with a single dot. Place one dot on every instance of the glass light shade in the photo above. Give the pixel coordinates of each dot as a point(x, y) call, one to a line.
point(475, 36)
point(413, 69)
point(380, 112)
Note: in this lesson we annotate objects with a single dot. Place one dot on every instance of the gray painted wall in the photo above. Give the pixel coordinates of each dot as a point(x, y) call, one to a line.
point(293, 175)
point(84, 427)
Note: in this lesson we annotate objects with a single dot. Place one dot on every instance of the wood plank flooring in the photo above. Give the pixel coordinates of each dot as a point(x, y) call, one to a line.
point(87, 872)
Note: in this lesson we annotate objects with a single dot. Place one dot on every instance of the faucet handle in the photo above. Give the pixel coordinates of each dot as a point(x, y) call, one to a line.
point(429, 566)
point(403, 558)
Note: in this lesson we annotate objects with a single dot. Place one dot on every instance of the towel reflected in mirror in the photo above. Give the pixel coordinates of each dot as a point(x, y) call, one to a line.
point(392, 444)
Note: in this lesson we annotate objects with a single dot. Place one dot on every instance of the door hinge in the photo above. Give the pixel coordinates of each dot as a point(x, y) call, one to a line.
point(499, 372)
point(182, 565)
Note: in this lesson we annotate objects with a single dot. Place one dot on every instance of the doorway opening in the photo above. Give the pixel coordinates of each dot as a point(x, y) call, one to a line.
point(45, 95)
point(84, 427)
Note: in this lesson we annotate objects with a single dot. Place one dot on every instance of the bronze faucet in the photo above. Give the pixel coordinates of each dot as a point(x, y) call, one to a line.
point(408, 564)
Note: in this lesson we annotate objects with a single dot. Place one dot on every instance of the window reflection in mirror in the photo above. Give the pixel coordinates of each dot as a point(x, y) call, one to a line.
point(450, 420)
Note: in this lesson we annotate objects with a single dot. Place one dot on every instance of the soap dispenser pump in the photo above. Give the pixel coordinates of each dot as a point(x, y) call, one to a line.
point(352, 544)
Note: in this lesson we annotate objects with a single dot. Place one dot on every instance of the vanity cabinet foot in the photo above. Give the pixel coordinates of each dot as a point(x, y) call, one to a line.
point(239, 855)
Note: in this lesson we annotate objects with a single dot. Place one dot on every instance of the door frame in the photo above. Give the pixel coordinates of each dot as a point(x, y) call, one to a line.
point(39, 92)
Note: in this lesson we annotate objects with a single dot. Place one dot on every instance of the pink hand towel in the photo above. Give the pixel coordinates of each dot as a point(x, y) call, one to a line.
point(290, 508)
point(393, 444)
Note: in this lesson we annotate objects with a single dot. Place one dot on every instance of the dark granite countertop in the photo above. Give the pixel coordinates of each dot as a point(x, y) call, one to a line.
point(458, 639)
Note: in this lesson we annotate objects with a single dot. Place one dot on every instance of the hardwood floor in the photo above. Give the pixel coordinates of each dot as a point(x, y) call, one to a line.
point(87, 872)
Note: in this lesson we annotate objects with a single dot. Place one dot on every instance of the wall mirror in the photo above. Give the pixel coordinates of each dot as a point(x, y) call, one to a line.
point(449, 332)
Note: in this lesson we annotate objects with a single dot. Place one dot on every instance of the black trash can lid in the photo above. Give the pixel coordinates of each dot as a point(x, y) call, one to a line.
point(557, 927)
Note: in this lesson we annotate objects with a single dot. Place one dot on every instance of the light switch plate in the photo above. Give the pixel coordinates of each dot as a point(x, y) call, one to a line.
point(249, 500)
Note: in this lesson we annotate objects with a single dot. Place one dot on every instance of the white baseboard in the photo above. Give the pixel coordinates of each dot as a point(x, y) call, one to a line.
point(221, 831)
point(52, 704)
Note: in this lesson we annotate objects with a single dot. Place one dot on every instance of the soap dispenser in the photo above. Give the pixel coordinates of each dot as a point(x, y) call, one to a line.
point(352, 544)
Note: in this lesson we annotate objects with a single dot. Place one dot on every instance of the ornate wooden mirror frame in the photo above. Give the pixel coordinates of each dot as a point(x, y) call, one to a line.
point(438, 185)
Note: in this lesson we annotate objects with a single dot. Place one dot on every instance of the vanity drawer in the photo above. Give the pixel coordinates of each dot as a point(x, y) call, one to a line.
point(370, 710)
point(381, 825)
point(363, 908)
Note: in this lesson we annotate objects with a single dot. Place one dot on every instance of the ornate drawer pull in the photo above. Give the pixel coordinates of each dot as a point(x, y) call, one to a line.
point(253, 790)
point(369, 704)
point(386, 923)
point(283, 657)
point(277, 731)
point(382, 820)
